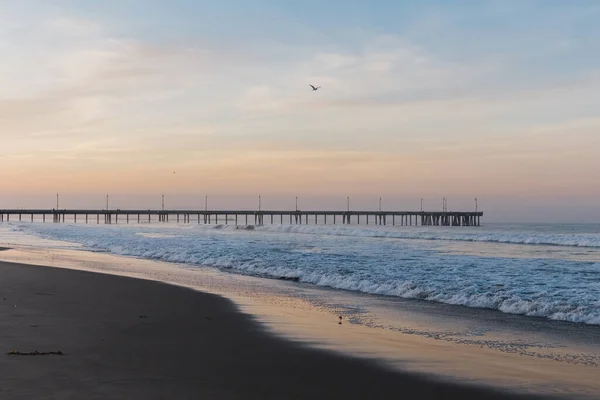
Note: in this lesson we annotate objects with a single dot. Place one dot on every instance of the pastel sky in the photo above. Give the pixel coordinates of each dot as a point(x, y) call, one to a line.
point(498, 100)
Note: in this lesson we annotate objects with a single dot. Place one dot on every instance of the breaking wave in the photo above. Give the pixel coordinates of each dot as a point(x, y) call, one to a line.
point(465, 234)
point(347, 257)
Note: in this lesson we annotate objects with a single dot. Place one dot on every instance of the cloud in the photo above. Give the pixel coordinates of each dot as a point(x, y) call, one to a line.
point(73, 26)
point(392, 115)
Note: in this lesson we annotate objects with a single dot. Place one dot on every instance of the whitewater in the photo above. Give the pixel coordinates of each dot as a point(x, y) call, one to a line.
point(550, 271)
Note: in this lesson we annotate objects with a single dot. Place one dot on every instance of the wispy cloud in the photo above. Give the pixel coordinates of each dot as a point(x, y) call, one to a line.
point(426, 107)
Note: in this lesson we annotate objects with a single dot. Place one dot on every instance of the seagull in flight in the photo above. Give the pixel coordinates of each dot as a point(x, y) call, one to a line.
point(314, 88)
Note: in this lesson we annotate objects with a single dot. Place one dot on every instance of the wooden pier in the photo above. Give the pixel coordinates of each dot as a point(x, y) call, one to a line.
point(245, 217)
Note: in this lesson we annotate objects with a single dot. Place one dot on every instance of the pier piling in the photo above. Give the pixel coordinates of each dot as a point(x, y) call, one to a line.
point(406, 218)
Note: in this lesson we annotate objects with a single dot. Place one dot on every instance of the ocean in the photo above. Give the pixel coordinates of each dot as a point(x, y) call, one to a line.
point(542, 270)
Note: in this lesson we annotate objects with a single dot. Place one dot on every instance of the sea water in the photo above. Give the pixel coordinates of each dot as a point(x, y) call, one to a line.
point(547, 270)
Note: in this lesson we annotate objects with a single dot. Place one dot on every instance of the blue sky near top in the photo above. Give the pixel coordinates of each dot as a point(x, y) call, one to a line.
point(495, 99)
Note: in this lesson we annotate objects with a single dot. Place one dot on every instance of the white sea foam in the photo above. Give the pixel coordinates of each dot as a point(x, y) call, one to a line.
point(468, 234)
point(353, 258)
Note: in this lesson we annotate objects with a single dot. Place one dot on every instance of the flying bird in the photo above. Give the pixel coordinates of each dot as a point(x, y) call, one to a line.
point(314, 88)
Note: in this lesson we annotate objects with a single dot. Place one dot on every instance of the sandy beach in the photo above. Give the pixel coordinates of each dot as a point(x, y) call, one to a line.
point(129, 338)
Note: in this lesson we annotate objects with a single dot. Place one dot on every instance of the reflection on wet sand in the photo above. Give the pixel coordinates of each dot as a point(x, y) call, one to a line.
point(473, 345)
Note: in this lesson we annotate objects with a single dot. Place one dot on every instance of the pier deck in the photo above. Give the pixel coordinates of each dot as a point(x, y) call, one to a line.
point(246, 217)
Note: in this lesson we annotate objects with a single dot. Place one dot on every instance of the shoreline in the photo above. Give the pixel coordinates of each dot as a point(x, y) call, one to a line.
point(489, 360)
point(133, 338)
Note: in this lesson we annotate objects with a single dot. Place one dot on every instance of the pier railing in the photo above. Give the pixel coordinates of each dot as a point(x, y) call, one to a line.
point(247, 217)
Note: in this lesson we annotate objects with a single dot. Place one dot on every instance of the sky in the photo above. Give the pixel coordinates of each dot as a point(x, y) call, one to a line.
point(495, 100)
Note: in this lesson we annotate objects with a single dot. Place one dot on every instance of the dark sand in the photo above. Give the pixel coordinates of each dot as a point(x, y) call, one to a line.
point(125, 338)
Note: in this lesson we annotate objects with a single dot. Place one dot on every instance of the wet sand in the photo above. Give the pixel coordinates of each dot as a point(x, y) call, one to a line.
point(137, 339)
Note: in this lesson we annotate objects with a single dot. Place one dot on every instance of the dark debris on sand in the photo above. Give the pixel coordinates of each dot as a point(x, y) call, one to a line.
point(35, 353)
